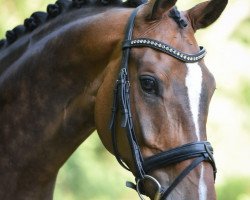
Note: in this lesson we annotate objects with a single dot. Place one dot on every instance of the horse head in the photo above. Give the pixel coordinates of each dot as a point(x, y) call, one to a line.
point(161, 101)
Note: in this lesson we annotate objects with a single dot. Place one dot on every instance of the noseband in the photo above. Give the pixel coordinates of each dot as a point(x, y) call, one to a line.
point(198, 151)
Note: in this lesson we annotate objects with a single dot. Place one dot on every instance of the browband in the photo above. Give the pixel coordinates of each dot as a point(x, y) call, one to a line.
point(165, 48)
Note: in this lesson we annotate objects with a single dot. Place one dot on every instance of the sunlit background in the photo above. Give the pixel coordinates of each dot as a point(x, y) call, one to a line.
point(93, 174)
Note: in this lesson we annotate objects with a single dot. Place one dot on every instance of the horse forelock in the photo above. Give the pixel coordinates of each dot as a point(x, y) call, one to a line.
point(53, 10)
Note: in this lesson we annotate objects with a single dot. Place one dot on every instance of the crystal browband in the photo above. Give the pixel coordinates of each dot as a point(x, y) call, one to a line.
point(165, 48)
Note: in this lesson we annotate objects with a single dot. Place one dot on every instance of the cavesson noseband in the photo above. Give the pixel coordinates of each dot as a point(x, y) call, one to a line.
point(199, 151)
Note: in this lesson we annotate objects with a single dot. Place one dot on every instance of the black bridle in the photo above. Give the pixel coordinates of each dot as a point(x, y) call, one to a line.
point(198, 151)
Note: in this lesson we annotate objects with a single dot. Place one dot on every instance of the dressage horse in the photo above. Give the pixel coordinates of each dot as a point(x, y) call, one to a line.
point(137, 76)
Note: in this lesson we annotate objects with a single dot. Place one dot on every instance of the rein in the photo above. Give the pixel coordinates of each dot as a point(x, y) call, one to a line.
point(199, 151)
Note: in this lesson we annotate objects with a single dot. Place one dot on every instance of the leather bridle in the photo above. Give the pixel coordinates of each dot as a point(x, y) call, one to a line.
point(198, 151)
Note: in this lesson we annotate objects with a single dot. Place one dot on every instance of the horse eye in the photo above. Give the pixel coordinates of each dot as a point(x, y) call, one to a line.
point(149, 84)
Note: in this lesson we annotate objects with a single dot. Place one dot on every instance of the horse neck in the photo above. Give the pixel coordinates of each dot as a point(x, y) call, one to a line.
point(48, 97)
point(63, 29)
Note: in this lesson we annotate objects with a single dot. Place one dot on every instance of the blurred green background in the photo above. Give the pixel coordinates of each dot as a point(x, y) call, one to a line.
point(93, 174)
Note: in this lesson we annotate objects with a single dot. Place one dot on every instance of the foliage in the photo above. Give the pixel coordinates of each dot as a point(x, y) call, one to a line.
point(13, 12)
point(234, 188)
point(242, 32)
point(244, 92)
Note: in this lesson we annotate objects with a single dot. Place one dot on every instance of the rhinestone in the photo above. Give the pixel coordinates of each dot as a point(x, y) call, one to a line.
point(185, 57)
point(144, 41)
point(163, 46)
point(170, 50)
point(152, 42)
point(178, 53)
point(148, 41)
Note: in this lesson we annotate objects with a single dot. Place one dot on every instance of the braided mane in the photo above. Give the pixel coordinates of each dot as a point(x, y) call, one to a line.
point(175, 14)
point(54, 10)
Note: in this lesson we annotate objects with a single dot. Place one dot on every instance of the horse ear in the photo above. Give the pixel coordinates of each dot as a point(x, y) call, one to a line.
point(204, 14)
point(159, 7)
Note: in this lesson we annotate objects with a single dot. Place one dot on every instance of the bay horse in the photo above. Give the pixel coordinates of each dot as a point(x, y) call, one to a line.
point(137, 76)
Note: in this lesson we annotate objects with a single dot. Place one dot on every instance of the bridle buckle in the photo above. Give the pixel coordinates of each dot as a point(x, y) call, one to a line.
point(152, 179)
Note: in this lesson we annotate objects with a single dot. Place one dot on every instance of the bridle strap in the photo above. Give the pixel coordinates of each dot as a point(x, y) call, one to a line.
point(181, 176)
point(121, 97)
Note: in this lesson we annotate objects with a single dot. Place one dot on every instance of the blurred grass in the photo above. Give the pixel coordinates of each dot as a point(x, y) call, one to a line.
point(92, 173)
point(244, 93)
point(235, 188)
point(242, 32)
